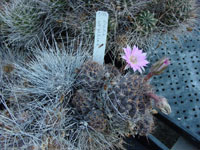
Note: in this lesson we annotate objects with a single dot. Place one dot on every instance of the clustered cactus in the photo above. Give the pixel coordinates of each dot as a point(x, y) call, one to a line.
point(23, 22)
point(61, 99)
point(54, 96)
point(31, 97)
point(112, 106)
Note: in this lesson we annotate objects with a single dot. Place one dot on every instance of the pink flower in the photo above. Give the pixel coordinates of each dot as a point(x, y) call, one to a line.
point(135, 59)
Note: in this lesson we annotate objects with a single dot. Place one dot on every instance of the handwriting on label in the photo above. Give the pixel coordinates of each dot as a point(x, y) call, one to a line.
point(100, 45)
point(100, 36)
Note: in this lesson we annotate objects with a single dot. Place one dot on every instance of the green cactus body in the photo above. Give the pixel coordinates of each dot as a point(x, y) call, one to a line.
point(146, 22)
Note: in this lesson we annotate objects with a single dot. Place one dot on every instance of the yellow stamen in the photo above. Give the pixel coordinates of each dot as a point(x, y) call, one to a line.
point(133, 59)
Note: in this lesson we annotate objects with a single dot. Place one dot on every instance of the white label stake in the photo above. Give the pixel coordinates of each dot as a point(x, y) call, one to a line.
point(100, 36)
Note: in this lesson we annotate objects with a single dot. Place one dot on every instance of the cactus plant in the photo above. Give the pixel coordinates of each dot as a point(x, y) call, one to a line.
point(82, 101)
point(126, 100)
point(97, 120)
point(25, 23)
point(91, 76)
point(135, 20)
point(21, 22)
point(60, 98)
point(64, 94)
point(132, 87)
point(146, 22)
point(31, 101)
point(173, 12)
point(51, 70)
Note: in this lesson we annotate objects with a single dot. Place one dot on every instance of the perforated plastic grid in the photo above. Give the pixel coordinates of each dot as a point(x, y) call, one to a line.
point(180, 83)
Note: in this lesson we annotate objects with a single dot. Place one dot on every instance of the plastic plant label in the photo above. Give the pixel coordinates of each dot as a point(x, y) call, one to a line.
point(100, 36)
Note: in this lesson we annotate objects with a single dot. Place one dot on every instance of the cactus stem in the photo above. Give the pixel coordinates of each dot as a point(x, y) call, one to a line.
point(148, 76)
point(154, 96)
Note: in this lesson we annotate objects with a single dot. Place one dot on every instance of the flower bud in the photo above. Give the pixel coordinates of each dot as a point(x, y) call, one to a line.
point(159, 66)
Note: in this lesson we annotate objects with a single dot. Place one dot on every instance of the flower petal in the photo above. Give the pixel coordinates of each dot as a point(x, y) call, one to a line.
point(127, 66)
point(128, 50)
point(124, 57)
point(140, 70)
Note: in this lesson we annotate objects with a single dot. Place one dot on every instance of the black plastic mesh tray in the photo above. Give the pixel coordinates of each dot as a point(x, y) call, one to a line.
point(180, 83)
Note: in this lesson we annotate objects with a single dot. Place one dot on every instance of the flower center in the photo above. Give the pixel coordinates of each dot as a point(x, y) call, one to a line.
point(133, 59)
